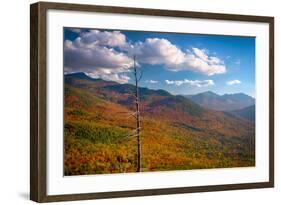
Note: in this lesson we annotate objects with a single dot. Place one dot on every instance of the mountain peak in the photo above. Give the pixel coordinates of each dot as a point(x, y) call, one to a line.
point(209, 93)
point(226, 102)
point(240, 96)
point(80, 75)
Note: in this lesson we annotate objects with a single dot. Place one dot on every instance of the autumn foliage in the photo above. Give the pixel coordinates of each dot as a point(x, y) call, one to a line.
point(176, 133)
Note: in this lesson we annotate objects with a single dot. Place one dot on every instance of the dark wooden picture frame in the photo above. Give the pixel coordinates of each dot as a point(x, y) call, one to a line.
point(38, 101)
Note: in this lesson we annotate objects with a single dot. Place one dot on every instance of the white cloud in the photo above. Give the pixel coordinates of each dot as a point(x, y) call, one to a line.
point(233, 82)
point(105, 38)
point(200, 53)
point(169, 82)
point(215, 60)
point(96, 60)
point(158, 51)
point(151, 81)
point(110, 75)
point(196, 83)
point(155, 51)
point(108, 55)
point(209, 66)
point(81, 55)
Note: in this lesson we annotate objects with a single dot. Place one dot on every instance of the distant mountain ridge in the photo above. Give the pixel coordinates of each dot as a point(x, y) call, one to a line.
point(113, 86)
point(155, 104)
point(247, 113)
point(226, 102)
point(152, 100)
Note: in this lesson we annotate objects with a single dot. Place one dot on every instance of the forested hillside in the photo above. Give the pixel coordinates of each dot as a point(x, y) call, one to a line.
point(176, 133)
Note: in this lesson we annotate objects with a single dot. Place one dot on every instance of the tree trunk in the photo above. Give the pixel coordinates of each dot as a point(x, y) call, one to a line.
point(137, 117)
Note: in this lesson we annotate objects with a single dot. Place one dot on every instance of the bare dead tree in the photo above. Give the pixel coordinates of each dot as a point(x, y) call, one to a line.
point(137, 104)
point(136, 114)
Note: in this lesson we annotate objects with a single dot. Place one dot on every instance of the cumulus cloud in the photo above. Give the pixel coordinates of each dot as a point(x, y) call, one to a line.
point(155, 51)
point(96, 60)
point(196, 83)
point(81, 55)
point(201, 53)
point(233, 82)
point(105, 38)
point(158, 51)
point(110, 75)
point(151, 81)
point(198, 60)
point(108, 55)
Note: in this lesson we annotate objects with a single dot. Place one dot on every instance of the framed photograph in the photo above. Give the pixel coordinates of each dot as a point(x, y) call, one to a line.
point(135, 102)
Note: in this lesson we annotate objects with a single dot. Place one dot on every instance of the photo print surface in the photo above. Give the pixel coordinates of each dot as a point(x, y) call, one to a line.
point(143, 101)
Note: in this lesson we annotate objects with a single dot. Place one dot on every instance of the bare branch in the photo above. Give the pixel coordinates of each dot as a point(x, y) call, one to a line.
point(130, 136)
point(140, 77)
point(132, 115)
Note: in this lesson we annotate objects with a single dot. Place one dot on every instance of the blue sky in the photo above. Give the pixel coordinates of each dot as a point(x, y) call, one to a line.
point(178, 63)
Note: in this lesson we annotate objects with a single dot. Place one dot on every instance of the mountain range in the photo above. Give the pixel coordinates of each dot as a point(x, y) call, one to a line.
point(152, 100)
point(226, 102)
point(176, 132)
point(247, 113)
